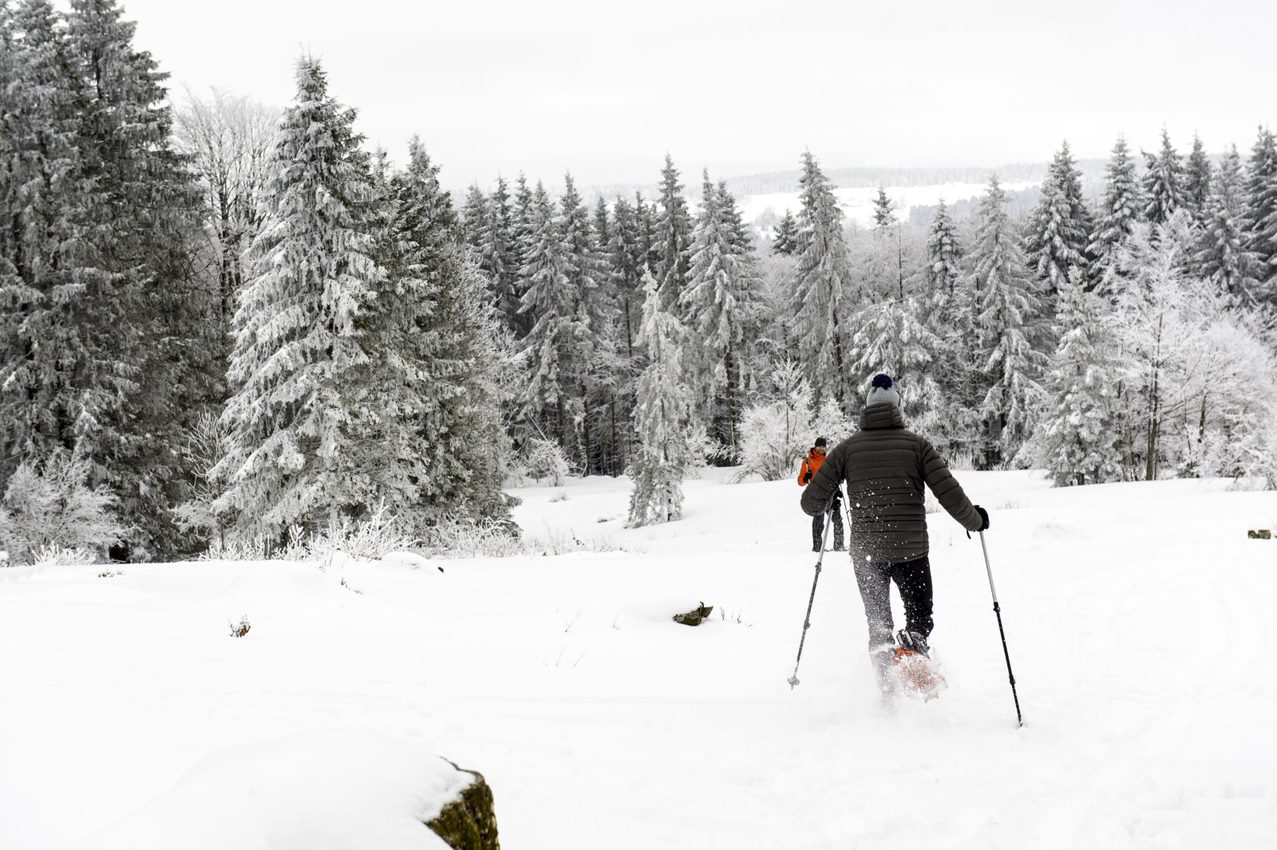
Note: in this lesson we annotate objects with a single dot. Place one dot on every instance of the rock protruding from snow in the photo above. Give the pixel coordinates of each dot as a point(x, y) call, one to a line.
point(470, 821)
point(328, 790)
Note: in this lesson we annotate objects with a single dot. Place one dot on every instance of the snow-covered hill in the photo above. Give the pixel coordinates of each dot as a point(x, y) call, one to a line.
point(857, 203)
point(1137, 617)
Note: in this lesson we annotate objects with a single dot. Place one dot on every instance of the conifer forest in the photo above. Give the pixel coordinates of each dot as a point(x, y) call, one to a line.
point(227, 326)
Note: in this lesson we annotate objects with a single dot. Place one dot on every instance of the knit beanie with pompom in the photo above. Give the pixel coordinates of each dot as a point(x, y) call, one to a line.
point(882, 390)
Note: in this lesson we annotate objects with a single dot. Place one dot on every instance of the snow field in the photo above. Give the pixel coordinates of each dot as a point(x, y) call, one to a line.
point(1136, 616)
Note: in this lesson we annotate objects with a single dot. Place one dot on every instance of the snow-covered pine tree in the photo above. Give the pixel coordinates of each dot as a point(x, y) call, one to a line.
point(1060, 228)
point(1164, 183)
point(662, 415)
point(628, 257)
point(522, 241)
point(884, 211)
point(297, 326)
point(1009, 328)
point(1261, 214)
point(673, 236)
point(821, 282)
point(1077, 441)
point(1121, 208)
point(474, 217)
point(602, 225)
point(43, 195)
point(948, 312)
point(585, 276)
point(646, 215)
point(719, 298)
point(890, 337)
point(1197, 182)
point(1221, 255)
point(419, 435)
point(551, 345)
point(497, 255)
point(944, 255)
point(137, 294)
point(785, 240)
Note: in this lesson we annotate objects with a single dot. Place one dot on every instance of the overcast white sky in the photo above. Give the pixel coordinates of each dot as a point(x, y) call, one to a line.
point(606, 87)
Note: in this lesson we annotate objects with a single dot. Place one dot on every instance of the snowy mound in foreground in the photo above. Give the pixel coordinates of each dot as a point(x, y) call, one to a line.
point(328, 790)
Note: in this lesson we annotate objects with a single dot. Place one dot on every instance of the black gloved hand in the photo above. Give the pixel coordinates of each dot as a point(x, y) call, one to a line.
point(984, 518)
point(807, 478)
point(834, 504)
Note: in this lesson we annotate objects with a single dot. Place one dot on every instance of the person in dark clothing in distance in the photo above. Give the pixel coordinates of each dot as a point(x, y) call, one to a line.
point(811, 465)
point(885, 468)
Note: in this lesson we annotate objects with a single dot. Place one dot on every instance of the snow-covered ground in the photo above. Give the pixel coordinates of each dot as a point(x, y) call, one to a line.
point(1138, 618)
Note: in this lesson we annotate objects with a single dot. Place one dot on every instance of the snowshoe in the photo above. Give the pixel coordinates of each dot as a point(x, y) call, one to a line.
point(918, 675)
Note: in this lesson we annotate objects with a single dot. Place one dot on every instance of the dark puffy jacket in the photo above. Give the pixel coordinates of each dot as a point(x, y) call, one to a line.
point(885, 467)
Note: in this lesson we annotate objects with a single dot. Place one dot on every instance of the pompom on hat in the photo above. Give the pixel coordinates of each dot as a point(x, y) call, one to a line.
point(882, 390)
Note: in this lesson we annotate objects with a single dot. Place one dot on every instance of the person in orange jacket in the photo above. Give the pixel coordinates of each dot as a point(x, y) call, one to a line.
point(811, 465)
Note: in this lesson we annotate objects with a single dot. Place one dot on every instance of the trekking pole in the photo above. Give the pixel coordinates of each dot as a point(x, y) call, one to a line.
point(1019, 720)
point(824, 538)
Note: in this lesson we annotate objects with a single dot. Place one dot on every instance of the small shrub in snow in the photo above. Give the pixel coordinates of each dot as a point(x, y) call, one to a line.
point(471, 538)
point(53, 510)
point(368, 538)
point(241, 628)
point(52, 554)
point(559, 497)
point(540, 461)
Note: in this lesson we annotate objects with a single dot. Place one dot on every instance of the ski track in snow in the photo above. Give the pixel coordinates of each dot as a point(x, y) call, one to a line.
point(1137, 618)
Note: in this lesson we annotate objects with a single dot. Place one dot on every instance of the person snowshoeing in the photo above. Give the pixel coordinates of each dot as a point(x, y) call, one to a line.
point(811, 465)
point(885, 467)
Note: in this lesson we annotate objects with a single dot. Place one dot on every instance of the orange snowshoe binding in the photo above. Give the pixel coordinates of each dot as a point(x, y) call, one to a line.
point(918, 675)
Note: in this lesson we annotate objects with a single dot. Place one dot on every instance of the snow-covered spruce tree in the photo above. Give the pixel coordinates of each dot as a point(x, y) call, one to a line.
point(144, 317)
point(821, 282)
point(1077, 442)
point(662, 419)
point(785, 241)
point(1009, 326)
point(424, 429)
point(949, 312)
point(1121, 208)
point(944, 256)
point(1060, 228)
point(1164, 183)
point(42, 200)
point(884, 211)
point(297, 338)
point(474, 217)
point(1261, 214)
point(672, 238)
point(591, 304)
point(890, 337)
point(1197, 182)
point(497, 256)
point(627, 252)
point(720, 295)
point(1221, 255)
point(551, 346)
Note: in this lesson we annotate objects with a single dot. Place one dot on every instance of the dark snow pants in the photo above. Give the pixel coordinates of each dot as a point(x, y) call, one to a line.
point(818, 528)
point(913, 581)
